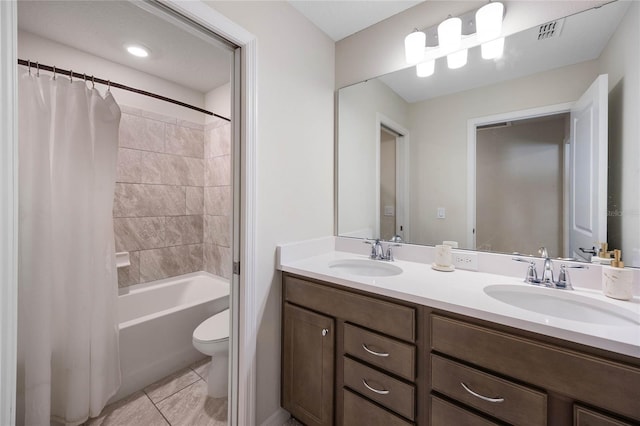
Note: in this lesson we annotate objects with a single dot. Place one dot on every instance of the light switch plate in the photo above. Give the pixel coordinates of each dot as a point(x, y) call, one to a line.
point(441, 213)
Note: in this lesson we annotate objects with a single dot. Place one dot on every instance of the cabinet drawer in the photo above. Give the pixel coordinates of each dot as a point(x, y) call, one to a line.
point(385, 390)
point(444, 413)
point(513, 403)
point(392, 355)
point(386, 317)
point(360, 412)
point(585, 417)
point(556, 369)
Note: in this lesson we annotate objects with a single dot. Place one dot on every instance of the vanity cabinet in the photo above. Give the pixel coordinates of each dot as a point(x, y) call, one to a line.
point(353, 358)
point(524, 380)
point(308, 365)
point(377, 342)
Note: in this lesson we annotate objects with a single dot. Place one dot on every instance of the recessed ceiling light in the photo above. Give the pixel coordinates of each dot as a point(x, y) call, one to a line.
point(137, 50)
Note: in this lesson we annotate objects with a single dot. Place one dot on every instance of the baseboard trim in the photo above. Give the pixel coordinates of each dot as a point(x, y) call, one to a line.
point(278, 418)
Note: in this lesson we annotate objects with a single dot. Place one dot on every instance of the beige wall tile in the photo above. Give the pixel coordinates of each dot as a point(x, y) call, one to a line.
point(217, 200)
point(130, 275)
point(158, 117)
point(217, 260)
point(218, 171)
point(182, 230)
point(139, 233)
point(139, 200)
point(179, 170)
point(141, 133)
point(217, 230)
point(170, 261)
point(190, 124)
point(195, 200)
point(184, 141)
point(218, 141)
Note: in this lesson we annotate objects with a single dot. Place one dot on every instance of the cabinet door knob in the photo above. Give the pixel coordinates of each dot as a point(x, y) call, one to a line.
point(381, 354)
point(325, 331)
point(378, 391)
point(482, 397)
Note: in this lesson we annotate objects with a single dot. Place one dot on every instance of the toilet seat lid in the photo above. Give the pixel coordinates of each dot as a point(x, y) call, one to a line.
point(214, 328)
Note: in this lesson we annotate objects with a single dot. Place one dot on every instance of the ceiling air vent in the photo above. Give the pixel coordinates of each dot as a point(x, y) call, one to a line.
point(550, 29)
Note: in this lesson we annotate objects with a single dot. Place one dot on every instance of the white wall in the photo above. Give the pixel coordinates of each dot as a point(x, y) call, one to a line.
point(379, 49)
point(439, 142)
point(45, 51)
point(294, 158)
point(219, 101)
point(621, 61)
point(359, 106)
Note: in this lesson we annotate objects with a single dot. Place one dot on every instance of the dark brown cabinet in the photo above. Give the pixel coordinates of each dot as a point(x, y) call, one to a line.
point(351, 358)
point(308, 365)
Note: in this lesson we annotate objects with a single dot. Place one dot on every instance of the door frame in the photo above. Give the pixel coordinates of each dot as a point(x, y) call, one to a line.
point(472, 125)
point(402, 174)
point(243, 351)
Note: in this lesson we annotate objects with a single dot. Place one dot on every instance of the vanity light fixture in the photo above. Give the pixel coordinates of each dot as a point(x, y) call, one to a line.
point(137, 50)
point(452, 43)
point(414, 46)
point(489, 28)
point(425, 69)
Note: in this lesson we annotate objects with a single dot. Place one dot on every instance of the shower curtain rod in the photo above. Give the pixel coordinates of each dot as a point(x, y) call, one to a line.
point(109, 83)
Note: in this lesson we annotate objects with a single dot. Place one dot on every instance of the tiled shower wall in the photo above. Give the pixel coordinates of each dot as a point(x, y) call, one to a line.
point(159, 205)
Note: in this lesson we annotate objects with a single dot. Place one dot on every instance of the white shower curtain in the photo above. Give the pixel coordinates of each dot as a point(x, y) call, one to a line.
point(68, 360)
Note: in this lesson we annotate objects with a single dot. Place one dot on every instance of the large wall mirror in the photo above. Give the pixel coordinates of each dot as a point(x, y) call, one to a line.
point(538, 148)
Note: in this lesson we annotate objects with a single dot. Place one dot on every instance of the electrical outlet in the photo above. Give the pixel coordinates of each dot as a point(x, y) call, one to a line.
point(465, 260)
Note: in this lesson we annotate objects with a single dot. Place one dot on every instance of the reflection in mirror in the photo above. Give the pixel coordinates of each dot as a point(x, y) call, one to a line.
point(467, 178)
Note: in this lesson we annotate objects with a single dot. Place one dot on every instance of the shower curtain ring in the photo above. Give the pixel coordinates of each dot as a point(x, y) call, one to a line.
point(29, 63)
point(85, 78)
point(109, 86)
point(70, 76)
point(93, 82)
point(37, 69)
point(54, 72)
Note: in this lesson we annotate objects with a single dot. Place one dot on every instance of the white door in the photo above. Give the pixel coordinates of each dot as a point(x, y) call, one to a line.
point(588, 176)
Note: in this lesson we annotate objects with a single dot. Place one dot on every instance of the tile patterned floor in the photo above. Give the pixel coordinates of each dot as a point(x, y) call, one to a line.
point(177, 400)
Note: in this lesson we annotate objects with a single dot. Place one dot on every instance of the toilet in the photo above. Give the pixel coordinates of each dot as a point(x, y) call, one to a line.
point(211, 338)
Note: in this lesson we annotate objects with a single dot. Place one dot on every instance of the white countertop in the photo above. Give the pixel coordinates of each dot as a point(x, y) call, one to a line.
point(462, 292)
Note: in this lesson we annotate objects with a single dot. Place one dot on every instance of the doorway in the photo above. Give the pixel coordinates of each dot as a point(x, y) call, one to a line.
point(392, 180)
point(236, 174)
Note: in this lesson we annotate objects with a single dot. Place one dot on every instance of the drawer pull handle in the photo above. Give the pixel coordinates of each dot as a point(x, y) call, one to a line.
point(378, 391)
point(482, 397)
point(382, 354)
point(325, 331)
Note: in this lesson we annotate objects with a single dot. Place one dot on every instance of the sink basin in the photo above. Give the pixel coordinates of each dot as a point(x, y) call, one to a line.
point(563, 304)
point(365, 267)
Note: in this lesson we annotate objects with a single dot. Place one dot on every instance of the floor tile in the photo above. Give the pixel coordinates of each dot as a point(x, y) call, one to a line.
point(171, 384)
point(202, 368)
point(292, 422)
point(192, 407)
point(137, 409)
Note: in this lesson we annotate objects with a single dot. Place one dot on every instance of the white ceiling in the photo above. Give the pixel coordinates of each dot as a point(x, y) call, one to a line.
point(583, 37)
point(341, 18)
point(102, 28)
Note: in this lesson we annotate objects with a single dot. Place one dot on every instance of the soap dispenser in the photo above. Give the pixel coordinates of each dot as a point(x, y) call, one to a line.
point(617, 281)
point(603, 257)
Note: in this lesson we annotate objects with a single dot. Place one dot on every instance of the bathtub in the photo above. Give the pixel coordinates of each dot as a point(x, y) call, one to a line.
point(157, 320)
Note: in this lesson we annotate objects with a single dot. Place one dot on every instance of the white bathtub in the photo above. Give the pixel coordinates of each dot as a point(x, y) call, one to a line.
point(157, 320)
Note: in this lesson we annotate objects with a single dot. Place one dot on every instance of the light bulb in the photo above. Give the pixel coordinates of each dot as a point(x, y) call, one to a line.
point(449, 34)
point(425, 69)
point(137, 50)
point(489, 21)
point(414, 45)
point(493, 49)
point(457, 59)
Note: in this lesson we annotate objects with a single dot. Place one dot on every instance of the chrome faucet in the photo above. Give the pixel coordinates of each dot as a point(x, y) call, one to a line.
point(378, 252)
point(547, 270)
point(547, 280)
